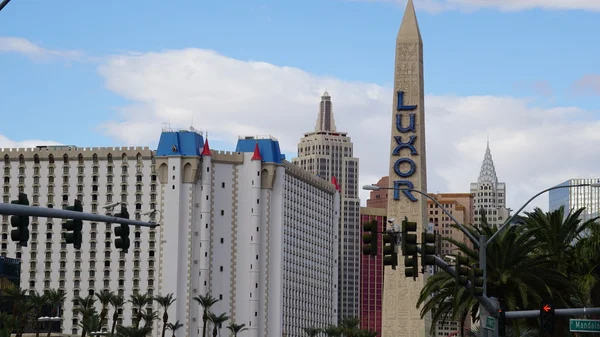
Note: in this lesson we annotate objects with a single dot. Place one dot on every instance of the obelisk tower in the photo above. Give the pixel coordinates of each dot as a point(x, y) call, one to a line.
point(401, 318)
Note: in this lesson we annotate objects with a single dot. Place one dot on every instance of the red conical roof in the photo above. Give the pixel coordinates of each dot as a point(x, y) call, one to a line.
point(256, 155)
point(205, 149)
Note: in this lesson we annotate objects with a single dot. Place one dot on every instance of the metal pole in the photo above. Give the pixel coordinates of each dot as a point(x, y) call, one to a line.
point(511, 218)
point(483, 261)
point(3, 4)
point(14, 209)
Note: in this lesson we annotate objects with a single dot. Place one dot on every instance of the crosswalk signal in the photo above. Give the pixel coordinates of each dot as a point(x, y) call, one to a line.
point(428, 249)
point(20, 222)
point(547, 319)
point(122, 231)
point(370, 238)
point(74, 227)
point(477, 281)
point(409, 237)
point(462, 270)
point(390, 250)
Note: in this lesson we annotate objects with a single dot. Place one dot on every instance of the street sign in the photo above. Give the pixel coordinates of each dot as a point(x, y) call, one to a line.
point(584, 325)
point(490, 323)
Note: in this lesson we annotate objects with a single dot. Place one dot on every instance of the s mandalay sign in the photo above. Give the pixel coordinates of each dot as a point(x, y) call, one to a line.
point(405, 167)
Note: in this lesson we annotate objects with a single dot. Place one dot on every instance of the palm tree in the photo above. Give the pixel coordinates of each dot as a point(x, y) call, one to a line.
point(205, 301)
point(55, 298)
point(126, 331)
point(332, 331)
point(236, 328)
point(217, 321)
point(349, 326)
point(7, 324)
point(117, 302)
point(36, 301)
point(139, 303)
point(516, 277)
point(104, 298)
point(149, 317)
point(174, 327)
point(310, 332)
point(20, 308)
point(85, 307)
point(92, 322)
point(165, 302)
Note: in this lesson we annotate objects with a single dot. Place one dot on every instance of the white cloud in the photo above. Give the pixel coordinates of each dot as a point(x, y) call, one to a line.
point(502, 5)
point(534, 147)
point(26, 47)
point(6, 143)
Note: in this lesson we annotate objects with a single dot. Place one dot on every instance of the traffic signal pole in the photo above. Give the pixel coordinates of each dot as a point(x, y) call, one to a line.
point(3, 4)
point(42, 212)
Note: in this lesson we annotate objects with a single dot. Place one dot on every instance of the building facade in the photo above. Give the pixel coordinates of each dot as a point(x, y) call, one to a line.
point(55, 176)
point(371, 274)
point(461, 206)
point(489, 195)
point(329, 154)
point(577, 197)
point(251, 229)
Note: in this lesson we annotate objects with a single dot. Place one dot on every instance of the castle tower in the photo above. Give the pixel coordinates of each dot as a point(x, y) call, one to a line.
point(407, 170)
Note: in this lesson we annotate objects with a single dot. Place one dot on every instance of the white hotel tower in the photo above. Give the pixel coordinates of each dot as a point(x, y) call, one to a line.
point(54, 176)
point(250, 229)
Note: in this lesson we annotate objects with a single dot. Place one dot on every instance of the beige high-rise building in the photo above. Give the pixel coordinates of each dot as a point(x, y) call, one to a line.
point(460, 205)
point(401, 317)
point(489, 195)
point(329, 154)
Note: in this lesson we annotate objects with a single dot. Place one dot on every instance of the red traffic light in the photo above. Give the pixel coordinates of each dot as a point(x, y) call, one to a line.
point(547, 308)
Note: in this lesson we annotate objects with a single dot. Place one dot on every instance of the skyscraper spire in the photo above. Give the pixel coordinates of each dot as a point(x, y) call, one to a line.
point(488, 171)
point(325, 121)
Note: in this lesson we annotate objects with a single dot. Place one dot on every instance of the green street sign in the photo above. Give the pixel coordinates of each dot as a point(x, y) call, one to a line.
point(490, 323)
point(584, 325)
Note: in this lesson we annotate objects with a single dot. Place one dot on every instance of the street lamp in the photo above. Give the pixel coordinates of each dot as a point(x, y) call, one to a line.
point(4, 3)
point(151, 213)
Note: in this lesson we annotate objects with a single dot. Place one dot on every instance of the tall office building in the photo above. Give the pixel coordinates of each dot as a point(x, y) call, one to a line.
point(253, 230)
point(577, 197)
point(328, 154)
point(407, 169)
point(55, 176)
point(489, 195)
point(371, 267)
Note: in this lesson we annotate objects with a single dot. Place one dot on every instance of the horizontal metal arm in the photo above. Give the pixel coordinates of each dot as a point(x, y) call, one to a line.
point(14, 209)
point(557, 312)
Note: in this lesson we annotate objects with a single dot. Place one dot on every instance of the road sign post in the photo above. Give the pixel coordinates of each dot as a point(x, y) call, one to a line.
point(584, 325)
point(490, 323)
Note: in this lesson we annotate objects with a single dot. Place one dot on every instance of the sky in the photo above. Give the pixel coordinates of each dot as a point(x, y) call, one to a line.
point(522, 73)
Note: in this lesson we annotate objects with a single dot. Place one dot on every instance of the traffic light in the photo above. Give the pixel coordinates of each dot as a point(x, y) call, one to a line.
point(411, 266)
point(462, 270)
point(74, 227)
point(370, 238)
point(547, 319)
point(122, 231)
point(20, 222)
point(477, 281)
point(428, 249)
point(502, 321)
point(390, 250)
point(409, 237)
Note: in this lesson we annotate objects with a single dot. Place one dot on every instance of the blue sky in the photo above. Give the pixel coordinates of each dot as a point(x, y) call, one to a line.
point(536, 55)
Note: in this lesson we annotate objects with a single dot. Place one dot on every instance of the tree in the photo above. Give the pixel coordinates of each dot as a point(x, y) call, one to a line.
point(349, 326)
point(55, 298)
point(165, 302)
point(311, 332)
point(85, 307)
point(139, 303)
point(217, 321)
point(104, 298)
point(174, 327)
point(236, 328)
point(117, 302)
point(205, 301)
point(92, 322)
point(126, 331)
point(36, 302)
point(7, 324)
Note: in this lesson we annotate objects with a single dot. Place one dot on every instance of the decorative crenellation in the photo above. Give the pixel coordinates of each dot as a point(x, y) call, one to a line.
point(227, 157)
point(211, 249)
point(308, 177)
point(43, 152)
point(267, 254)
